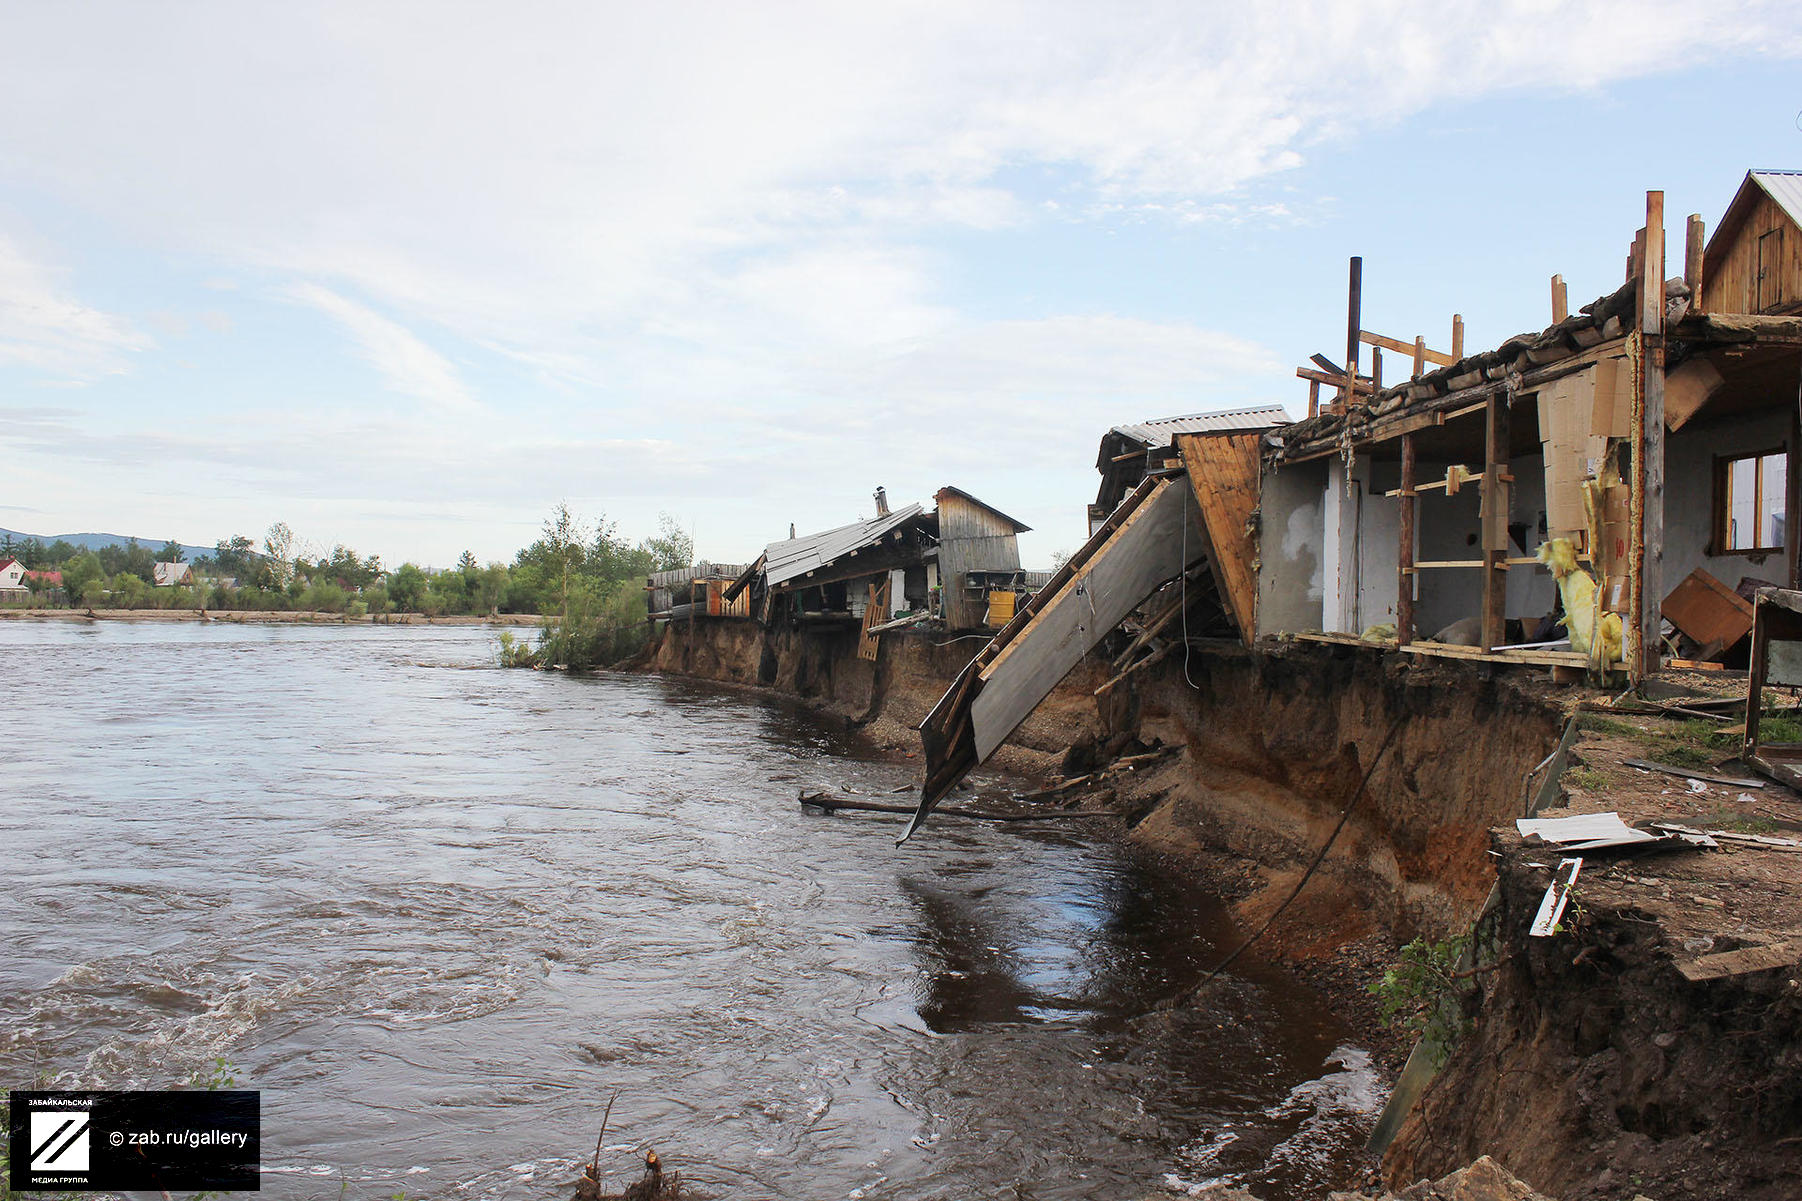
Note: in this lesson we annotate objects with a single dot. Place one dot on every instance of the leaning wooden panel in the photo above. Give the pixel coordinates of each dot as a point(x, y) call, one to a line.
point(1146, 551)
point(1136, 550)
point(1224, 471)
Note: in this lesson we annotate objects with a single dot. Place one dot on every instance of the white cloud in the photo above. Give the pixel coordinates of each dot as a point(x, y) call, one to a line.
point(46, 330)
point(717, 234)
point(527, 179)
point(408, 365)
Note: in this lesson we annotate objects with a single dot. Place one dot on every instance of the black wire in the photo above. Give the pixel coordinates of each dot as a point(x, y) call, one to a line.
point(1318, 859)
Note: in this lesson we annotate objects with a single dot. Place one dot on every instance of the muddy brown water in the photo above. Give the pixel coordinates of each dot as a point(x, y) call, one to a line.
point(438, 913)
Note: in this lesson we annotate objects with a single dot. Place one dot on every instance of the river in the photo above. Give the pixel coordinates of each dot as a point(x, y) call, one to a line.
point(440, 913)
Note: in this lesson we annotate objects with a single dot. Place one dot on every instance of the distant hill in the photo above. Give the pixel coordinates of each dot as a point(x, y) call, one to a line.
point(96, 541)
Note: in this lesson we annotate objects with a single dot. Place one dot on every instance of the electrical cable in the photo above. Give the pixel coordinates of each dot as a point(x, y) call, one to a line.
point(1318, 859)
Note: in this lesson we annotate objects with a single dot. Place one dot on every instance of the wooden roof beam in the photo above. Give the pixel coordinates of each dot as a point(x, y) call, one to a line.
point(1435, 357)
point(1365, 386)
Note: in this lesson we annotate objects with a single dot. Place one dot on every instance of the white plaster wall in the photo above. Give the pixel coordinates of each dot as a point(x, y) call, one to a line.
point(1690, 454)
point(1379, 540)
point(1291, 580)
point(1340, 507)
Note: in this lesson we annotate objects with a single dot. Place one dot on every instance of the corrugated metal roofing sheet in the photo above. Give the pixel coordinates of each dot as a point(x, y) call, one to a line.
point(1785, 187)
point(1160, 431)
point(798, 556)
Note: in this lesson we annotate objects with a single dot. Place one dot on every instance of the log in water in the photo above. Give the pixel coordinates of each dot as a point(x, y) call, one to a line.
point(439, 913)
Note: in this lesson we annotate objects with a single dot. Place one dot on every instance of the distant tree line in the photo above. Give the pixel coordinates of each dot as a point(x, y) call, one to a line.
point(587, 581)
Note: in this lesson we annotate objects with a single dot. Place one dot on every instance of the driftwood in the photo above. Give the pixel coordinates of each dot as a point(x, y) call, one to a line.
point(832, 804)
point(1129, 763)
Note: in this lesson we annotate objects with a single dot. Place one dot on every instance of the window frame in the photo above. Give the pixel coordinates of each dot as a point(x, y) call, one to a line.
point(1723, 490)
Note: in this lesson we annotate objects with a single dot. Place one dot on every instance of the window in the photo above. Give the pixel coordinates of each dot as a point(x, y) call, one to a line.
point(1749, 516)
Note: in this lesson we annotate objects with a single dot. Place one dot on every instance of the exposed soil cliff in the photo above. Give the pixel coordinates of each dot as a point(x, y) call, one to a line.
point(1283, 738)
point(1596, 1070)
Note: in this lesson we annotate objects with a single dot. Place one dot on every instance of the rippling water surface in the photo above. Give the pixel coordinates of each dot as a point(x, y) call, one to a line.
point(439, 913)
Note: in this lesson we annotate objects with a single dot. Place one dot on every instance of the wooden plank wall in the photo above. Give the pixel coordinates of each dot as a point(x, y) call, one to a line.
point(1733, 285)
point(971, 538)
point(1224, 470)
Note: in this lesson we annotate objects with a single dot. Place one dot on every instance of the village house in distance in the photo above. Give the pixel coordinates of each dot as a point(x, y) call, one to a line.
point(954, 567)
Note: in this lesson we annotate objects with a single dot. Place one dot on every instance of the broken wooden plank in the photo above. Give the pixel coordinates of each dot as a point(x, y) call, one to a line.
point(1225, 471)
point(1722, 964)
point(1707, 610)
point(1686, 774)
point(1412, 349)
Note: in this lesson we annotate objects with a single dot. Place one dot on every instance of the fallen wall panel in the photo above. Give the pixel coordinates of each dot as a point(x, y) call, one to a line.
point(1153, 537)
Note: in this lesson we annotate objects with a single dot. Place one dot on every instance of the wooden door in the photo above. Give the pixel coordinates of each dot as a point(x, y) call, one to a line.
point(1770, 271)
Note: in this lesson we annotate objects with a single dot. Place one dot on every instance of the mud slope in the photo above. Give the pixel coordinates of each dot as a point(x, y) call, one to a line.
point(1277, 742)
point(1597, 1071)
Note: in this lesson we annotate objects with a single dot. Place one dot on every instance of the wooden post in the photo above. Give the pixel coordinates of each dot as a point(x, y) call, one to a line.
point(691, 624)
point(1353, 324)
point(1793, 486)
point(1692, 263)
point(1761, 654)
point(1313, 398)
point(1404, 555)
point(1646, 559)
point(1376, 370)
point(1457, 335)
point(1494, 536)
point(1560, 300)
point(1420, 357)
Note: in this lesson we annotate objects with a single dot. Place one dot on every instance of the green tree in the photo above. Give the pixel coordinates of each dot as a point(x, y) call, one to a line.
point(81, 571)
point(132, 558)
point(171, 553)
point(235, 555)
point(278, 545)
point(130, 591)
point(672, 547)
point(407, 588)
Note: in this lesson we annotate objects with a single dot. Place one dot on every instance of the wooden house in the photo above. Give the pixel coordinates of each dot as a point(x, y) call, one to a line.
point(1753, 264)
point(1128, 453)
point(951, 564)
point(978, 560)
point(1658, 435)
point(1655, 434)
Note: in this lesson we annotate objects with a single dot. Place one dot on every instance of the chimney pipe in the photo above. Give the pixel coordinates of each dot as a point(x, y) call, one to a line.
point(881, 501)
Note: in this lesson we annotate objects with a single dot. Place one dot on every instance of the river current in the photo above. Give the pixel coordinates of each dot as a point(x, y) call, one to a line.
point(440, 913)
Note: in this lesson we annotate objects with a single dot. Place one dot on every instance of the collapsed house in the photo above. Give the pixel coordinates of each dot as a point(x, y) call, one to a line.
point(684, 593)
point(1650, 439)
point(1653, 431)
point(1130, 452)
point(955, 567)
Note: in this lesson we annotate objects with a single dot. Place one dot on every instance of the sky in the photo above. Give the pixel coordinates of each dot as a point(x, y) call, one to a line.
point(407, 276)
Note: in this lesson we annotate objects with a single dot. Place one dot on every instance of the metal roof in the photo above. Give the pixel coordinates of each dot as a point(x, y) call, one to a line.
point(1161, 431)
point(1785, 187)
point(797, 556)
